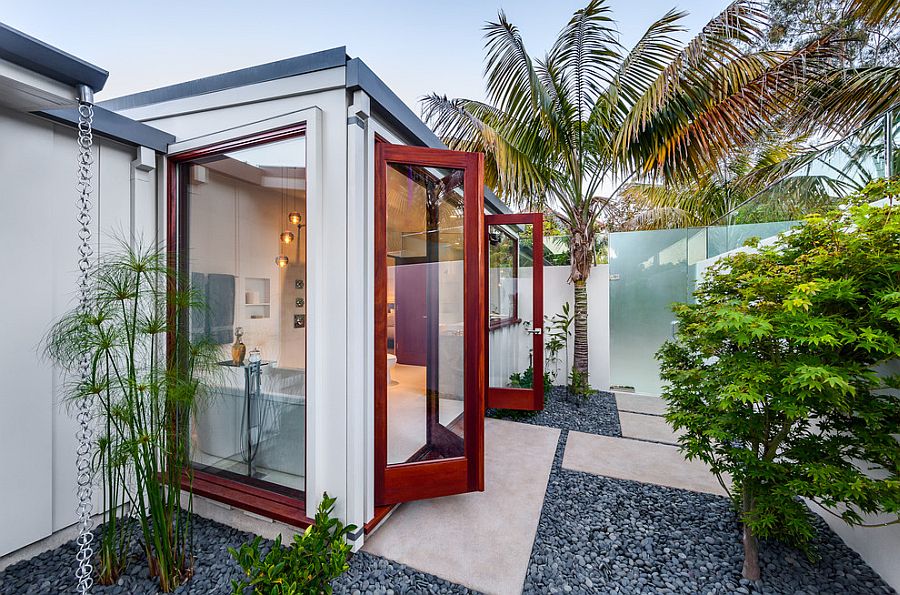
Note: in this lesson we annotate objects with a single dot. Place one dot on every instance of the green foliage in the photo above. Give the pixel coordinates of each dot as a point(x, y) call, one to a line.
point(579, 384)
point(143, 400)
point(306, 567)
point(772, 372)
point(525, 379)
point(559, 329)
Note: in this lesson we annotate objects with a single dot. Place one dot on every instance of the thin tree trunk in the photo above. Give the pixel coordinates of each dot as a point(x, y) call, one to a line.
point(580, 361)
point(750, 570)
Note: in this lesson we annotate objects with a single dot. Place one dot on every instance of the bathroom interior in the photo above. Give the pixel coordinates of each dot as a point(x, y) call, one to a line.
point(247, 256)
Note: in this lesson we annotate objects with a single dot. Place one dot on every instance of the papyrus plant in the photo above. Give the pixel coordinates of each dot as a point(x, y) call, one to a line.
point(777, 374)
point(146, 375)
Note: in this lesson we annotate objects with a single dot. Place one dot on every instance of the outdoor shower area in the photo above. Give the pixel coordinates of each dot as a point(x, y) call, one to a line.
point(650, 270)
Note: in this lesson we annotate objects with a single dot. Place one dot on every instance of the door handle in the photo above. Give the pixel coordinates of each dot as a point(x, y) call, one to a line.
point(535, 331)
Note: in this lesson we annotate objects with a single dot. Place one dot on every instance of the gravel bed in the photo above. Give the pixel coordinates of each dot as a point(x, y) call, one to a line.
point(592, 414)
point(373, 574)
point(53, 571)
point(602, 535)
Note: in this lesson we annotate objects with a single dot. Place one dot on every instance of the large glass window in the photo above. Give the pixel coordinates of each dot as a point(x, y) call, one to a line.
point(246, 254)
point(425, 295)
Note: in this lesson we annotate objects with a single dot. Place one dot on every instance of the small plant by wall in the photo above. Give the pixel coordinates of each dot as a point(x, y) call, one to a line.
point(772, 373)
point(306, 567)
point(143, 394)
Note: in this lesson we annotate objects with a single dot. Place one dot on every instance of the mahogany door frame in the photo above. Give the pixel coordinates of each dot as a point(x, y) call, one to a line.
point(430, 479)
point(522, 398)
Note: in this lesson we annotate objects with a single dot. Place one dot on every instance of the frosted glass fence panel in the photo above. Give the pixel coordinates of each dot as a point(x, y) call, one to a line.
point(649, 270)
point(725, 238)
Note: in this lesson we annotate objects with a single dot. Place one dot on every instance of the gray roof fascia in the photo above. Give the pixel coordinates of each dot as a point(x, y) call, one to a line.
point(390, 107)
point(332, 58)
point(42, 58)
point(116, 127)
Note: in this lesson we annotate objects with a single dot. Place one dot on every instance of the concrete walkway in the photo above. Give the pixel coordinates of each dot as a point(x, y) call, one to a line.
point(484, 540)
point(637, 460)
point(480, 540)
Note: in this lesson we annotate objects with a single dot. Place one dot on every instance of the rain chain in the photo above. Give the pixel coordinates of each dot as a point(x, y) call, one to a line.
point(84, 435)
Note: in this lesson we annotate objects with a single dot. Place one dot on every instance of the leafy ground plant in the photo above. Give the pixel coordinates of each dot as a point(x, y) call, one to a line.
point(143, 394)
point(772, 374)
point(307, 567)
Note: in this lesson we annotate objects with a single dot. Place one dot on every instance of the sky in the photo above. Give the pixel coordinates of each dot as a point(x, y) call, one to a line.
point(416, 48)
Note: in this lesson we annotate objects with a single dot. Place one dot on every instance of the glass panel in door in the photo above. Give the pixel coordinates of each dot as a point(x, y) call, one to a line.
point(425, 341)
point(515, 311)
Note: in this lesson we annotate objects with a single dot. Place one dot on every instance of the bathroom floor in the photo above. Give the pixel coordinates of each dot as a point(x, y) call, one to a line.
point(237, 466)
point(406, 412)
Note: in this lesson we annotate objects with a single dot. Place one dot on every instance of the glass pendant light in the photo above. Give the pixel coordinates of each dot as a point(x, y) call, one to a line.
point(287, 237)
point(295, 218)
point(282, 261)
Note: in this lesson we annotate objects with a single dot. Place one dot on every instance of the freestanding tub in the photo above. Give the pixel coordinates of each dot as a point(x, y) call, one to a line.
point(277, 428)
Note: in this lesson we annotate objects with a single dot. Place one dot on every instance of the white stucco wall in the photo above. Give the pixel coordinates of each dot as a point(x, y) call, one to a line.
point(557, 291)
point(39, 242)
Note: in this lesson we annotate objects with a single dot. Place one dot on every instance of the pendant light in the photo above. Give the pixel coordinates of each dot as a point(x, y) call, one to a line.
point(287, 236)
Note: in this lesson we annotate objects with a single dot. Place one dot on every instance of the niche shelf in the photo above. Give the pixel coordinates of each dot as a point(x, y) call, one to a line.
point(257, 297)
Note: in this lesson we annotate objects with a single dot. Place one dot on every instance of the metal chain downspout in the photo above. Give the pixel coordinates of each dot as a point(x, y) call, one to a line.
point(84, 435)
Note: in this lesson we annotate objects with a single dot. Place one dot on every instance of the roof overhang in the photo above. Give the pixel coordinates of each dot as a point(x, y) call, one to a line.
point(35, 55)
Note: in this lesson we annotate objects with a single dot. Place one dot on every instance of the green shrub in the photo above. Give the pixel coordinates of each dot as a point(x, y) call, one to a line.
point(579, 385)
point(771, 373)
point(525, 379)
point(306, 567)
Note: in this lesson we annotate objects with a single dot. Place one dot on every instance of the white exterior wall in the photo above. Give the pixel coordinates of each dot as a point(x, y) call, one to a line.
point(558, 291)
point(39, 272)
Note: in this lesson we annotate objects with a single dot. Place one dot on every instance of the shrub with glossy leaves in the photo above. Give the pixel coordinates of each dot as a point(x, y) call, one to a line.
point(307, 567)
point(772, 374)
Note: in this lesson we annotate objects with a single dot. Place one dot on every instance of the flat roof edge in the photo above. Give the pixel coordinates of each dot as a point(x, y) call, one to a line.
point(323, 60)
point(42, 58)
point(116, 127)
point(397, 113)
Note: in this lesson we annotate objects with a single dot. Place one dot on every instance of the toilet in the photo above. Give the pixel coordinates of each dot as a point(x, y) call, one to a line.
point(391, 362)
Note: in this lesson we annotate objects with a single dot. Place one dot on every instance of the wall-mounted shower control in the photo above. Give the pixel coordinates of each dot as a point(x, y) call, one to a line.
point(300, 302)
point(299, 320)
point(298, 284)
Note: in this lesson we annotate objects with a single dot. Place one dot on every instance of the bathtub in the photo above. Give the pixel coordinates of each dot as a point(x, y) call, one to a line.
point(277, 429)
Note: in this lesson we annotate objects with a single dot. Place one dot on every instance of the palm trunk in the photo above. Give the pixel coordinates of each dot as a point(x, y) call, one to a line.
point(580, 361)
point(582, 255)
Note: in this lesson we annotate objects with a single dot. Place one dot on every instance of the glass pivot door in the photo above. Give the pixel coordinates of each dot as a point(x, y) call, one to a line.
point(515, 304)
point(429, 323)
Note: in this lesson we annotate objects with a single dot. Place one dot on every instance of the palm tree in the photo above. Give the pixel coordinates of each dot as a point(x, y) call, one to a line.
point(591, 112)
point(772, 180)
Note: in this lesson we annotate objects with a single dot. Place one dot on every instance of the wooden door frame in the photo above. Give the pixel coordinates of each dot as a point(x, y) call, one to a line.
point(429, 479)
point(516, 398)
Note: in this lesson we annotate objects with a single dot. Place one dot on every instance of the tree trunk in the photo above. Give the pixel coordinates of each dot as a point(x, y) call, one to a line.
point(580, 361)
point(751, 543)
point(582, 255)
point(751, 555)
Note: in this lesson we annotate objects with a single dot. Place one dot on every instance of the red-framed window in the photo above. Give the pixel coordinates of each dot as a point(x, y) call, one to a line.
point(251, 491)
